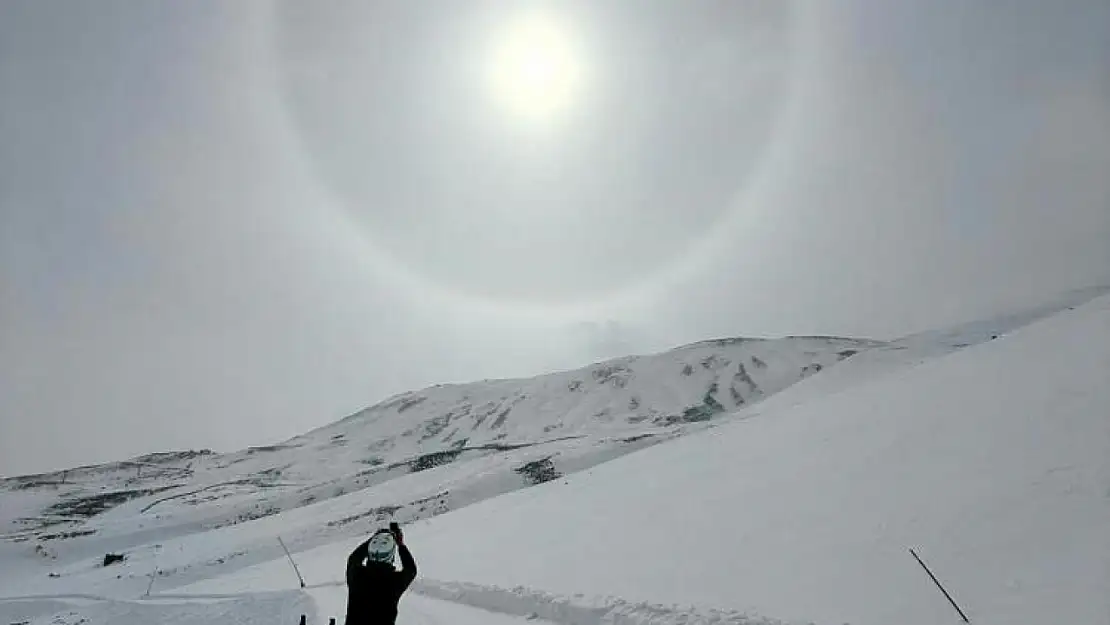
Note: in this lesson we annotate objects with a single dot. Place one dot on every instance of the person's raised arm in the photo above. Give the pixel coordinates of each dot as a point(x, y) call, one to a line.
point(354, 561)
point(408, 566)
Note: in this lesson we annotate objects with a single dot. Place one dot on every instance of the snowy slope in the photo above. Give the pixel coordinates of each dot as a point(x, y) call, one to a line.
point(993, 462)
point(255, 609)
point(414, 456)
point(987, 454)
point(259, 608)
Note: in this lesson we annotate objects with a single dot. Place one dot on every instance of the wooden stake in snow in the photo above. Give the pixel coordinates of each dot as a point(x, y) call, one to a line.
point(937, 582)
point(290, 556)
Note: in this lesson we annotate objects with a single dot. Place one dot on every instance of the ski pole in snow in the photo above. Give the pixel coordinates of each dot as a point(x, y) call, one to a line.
point(290, 556)
point(937, 582)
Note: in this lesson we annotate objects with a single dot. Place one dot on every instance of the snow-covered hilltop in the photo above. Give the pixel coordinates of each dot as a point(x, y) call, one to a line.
point(803, 468)
point(534, 428)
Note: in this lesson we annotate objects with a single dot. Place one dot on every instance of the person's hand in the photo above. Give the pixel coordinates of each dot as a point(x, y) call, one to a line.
point(397, 534)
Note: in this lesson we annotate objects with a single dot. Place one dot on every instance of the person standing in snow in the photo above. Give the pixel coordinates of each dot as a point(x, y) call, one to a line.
point(373, 586)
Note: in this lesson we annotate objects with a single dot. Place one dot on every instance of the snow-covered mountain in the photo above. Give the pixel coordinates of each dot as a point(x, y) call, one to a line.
point(786, 479)
point(515, 432)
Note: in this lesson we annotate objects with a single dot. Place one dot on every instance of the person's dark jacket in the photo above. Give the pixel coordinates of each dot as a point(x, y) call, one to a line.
point(374, 588)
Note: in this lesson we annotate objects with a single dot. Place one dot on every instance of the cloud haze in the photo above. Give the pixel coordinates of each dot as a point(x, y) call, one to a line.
point(222, 224)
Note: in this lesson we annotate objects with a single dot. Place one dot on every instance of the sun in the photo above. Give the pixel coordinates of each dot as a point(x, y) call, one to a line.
point(535, 69)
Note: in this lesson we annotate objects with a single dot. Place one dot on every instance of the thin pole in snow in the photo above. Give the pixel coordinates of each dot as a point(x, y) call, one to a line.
point(151, 584)
point(290, 556)
point(153, 572)
point(937, 582)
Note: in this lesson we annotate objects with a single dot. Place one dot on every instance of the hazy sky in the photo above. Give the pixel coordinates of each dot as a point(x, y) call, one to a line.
point(225, 223)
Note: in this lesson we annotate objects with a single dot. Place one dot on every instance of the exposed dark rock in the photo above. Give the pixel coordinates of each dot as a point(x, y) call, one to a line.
point(65, 535)
point(742, 376)
point(270, 448)
point(270, 474)
point(435, 426)
point(539, 471)
point(725, 342)
point(432, 460)
point(737, 398)
point(712, 362)
point(482, 416)
point(501, 418)
point(433, 505)
point(257, 512)
point(93, 505)
point(409, 402)
point(172, 456)
point(615, 375)
point(379, 514)
point(694, 414)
